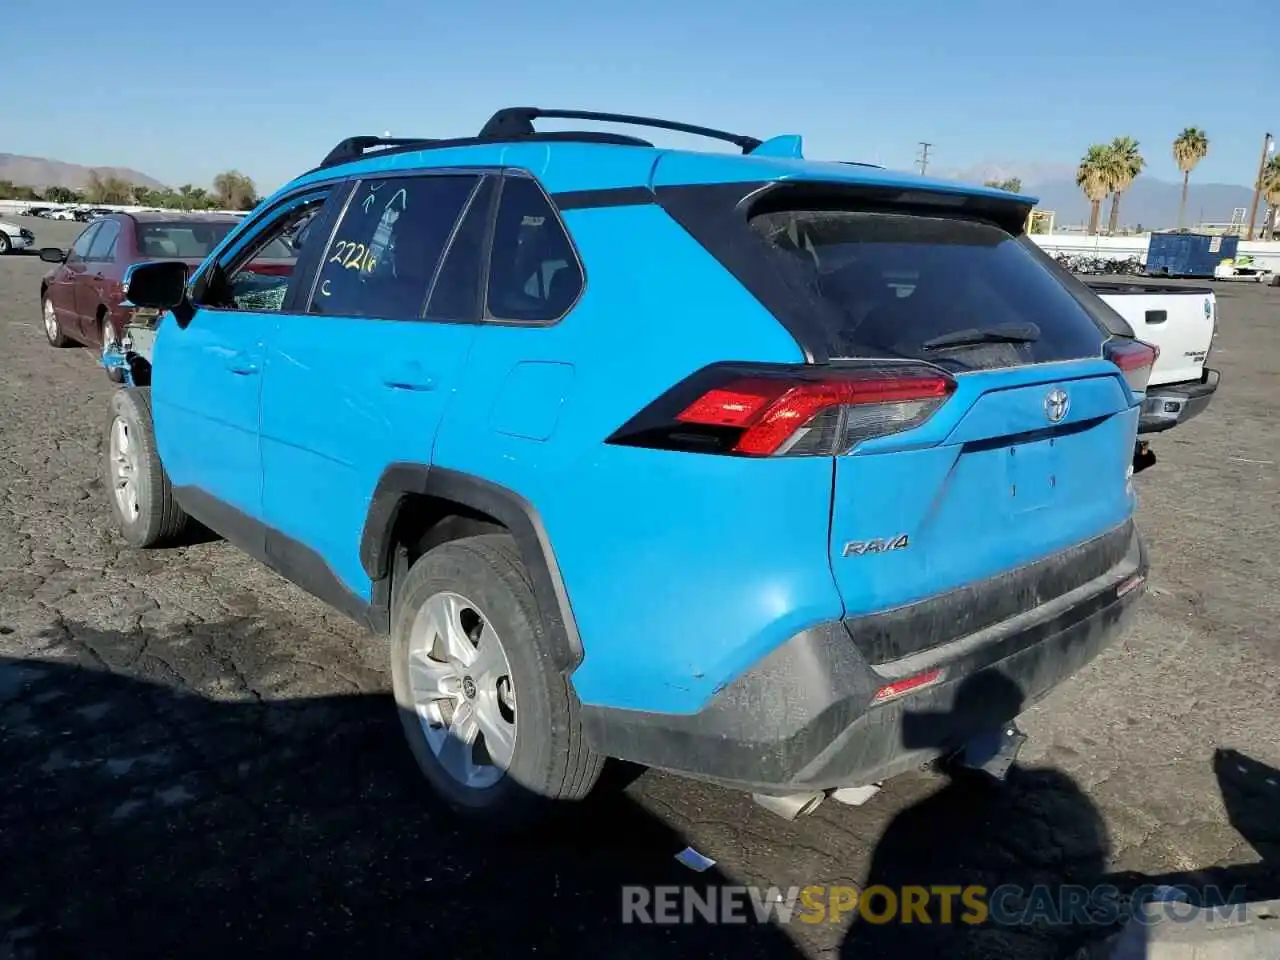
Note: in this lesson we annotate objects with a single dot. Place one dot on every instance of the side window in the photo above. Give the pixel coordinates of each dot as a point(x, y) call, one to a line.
point(103, 246)
point(258, 276)
point(456, 294)
point(385, 251)
point(80, 249)
point(534, 274)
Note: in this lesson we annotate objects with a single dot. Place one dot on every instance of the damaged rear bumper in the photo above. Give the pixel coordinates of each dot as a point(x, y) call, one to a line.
point(807, 717)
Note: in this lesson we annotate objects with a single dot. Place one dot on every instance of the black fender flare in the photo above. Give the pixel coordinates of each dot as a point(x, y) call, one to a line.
point(401, 480)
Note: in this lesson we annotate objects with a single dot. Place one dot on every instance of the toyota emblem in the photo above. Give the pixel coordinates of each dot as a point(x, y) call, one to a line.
point(1056, 404)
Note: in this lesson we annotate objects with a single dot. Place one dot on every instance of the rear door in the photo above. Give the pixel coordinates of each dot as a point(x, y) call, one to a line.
point(362, 366)
point(1027, 455)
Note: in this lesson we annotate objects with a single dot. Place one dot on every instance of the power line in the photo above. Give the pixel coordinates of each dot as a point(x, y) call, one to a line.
point(923, 159)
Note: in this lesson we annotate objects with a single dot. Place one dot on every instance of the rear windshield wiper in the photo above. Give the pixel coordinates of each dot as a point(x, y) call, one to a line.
point(1009, 333)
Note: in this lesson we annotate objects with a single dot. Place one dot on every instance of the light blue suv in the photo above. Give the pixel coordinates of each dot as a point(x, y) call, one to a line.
point(732, 465)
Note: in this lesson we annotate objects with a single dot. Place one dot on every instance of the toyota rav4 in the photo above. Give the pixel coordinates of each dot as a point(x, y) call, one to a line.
point(732, 465)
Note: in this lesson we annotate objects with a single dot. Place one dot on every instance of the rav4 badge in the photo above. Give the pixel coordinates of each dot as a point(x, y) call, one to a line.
point(859, 548)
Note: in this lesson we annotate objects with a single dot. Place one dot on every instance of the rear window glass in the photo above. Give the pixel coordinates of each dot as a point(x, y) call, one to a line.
point(960, 293)
point(187, 241)
point(534, 275)
point(195, 241)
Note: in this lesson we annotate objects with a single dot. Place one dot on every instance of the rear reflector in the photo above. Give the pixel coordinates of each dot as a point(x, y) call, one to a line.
point(1135, 358)
point(891, 691)
point(790, 411)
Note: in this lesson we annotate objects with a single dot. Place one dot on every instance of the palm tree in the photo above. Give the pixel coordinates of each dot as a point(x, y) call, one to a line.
point(1091, 177)
point(1270, 184)
point(1124, 163)
point(1189, 149)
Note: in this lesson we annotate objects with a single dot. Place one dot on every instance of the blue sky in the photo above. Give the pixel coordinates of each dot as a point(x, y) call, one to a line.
point(268, 86)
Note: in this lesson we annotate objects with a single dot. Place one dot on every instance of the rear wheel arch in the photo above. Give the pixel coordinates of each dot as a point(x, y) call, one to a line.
point(416, 507)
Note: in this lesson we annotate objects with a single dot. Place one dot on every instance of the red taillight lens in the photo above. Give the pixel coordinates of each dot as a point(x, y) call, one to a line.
point(1135, 358)
point(791, 411)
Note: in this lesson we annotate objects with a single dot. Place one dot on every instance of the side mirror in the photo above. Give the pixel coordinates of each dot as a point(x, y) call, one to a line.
point(158, 284)
point(53, 255)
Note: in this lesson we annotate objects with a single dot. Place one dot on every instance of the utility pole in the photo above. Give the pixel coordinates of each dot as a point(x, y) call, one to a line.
point(1267, 147)
point(924, 156)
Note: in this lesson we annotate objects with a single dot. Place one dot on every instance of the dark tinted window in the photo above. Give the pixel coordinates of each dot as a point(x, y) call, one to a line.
point(184, 241)
point(913, 286)
point(104, 244)
point(534, 275)
point(384, 253)
point(456, 294)
point(80, 249)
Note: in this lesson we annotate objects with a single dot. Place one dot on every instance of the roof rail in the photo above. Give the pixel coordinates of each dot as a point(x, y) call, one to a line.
point(518, 122)
point(353, 148)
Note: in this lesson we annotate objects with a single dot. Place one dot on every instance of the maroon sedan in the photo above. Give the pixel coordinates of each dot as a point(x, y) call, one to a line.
point(80, 297)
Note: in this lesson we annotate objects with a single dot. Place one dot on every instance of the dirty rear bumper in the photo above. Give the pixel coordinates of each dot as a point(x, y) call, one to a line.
point(1165, 407)
point(804, 718)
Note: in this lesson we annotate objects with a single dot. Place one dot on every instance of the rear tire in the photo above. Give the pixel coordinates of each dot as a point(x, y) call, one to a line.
point(480, 587)
point(141, 496)
point(52, 329)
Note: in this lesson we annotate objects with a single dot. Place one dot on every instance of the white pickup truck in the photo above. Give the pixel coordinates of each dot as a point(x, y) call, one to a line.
point(1179, 319)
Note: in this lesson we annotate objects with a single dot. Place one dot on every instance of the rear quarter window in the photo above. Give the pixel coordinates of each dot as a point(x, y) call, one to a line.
point(964, 294)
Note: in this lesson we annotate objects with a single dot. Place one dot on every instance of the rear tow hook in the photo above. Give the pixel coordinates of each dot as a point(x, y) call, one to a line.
point(993, 753)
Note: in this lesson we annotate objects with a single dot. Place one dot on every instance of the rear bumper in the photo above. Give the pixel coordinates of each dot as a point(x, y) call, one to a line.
point(804, 717)
point(1168, 406)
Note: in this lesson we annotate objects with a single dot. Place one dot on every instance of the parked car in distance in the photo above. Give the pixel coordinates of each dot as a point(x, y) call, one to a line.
point(14, 237)
point(65, 213)
point(81, 295)
point(782, 474)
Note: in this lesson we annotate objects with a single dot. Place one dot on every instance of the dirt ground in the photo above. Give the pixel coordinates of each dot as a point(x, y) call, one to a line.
point(197, 758)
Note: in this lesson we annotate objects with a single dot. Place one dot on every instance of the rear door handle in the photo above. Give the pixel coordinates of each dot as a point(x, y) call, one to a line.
point(409, 376)
point(242, 364)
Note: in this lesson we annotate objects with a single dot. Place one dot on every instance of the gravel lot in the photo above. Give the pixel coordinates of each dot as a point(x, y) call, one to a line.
point(197, 758)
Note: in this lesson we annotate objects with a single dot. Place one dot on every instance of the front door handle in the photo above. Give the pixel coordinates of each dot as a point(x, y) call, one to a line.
point(409, 376)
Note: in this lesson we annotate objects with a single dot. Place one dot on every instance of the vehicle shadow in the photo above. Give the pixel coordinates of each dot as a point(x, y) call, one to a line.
point(1037, 827)
point(1251, 795)
point(140, 820)
point(1037, 845)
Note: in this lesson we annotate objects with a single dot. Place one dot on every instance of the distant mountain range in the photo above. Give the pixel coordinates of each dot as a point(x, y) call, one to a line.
point(39, 172)
point(1150, 203)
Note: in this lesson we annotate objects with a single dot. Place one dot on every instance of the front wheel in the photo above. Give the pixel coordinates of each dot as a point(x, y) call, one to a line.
point(5, 245)
point(52, 329)
point(141, 496)
point(493, 724)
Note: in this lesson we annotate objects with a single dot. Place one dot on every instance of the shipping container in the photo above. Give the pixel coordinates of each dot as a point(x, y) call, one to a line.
point(1188, 254)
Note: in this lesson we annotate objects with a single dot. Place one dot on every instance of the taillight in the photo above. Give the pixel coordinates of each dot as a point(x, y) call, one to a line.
point(1135, 358)
point(761, 411)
